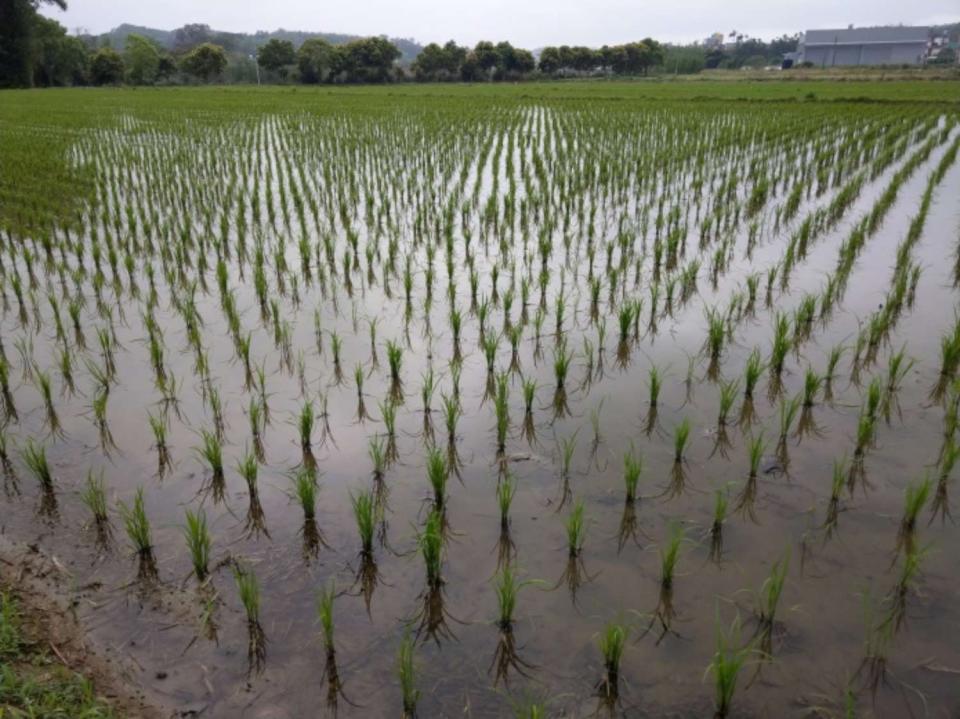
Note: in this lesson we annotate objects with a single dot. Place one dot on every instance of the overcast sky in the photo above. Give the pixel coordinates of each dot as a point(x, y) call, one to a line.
point(527, 23)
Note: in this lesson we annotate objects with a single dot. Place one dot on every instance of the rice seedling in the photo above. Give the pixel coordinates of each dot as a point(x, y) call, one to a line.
point(248, 588)
point(780, 346)
point(529, 390)
point(670, 554)
point(9, 406)
point(720, 504)
point(654, 382)
point(364, 512)
point(729, 659)
point(915, 499)
point(211, 452)
point(358, 375)
point(94, 498)
point(198, 541)
point(562, 358)
point(716, 334)
point(811, 385)
point(438, 473)
point(632, 466)
point(506, 490)
point(612, 643)
point(896, 600)
point(248, 468)
point(45, 385)
point(395, 360)
point(407, 674)
point(833, 359)
point(840, 473)
point(501, 404)
point(507, 588)
point(768, 600)
point(35, 457)
point(681, 437)
point(137, 526)
point(305, 423)
point(430, 541)
point(941, 500)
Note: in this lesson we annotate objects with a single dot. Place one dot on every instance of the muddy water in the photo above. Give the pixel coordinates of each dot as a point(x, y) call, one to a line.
point(820, 635)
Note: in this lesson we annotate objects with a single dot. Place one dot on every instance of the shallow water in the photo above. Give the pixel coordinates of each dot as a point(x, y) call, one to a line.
point(819, 643)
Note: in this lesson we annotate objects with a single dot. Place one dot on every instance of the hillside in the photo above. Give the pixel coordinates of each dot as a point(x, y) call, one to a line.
point(240, 43)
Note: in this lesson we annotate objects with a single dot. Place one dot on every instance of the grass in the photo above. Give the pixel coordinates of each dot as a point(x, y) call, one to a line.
point(33, 682)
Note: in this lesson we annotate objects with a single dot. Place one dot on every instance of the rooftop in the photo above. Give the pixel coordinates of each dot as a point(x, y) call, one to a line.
point(860, 35)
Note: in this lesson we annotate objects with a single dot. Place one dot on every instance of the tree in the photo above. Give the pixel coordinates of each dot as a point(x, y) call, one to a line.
point(369, 60)
point(56, 58)
point(315, 58)
point(190, 36)
point(18, 26)
point(142, 60)
point(550, 60)
point(106, 67)
point(440, 63)
point(486, 57)
point(206, 62)
point(276, 56)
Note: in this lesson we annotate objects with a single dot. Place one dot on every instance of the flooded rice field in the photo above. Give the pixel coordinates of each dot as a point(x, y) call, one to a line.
point(373, 405)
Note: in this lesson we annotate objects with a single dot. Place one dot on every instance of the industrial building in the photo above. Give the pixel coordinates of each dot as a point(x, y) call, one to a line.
point(865, 46)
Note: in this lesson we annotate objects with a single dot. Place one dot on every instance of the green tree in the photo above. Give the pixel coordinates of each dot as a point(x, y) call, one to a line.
point(440, 63)
point(18, 26)
point(56, 58)
point(550, 60)
point(276, 56)
point(142, 59)
point(106, 67)
point(316, 58)
point(371, 59)
point(205, 62)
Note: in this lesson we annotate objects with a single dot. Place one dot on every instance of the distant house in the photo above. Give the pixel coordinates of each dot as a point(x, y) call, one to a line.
point(865, 46)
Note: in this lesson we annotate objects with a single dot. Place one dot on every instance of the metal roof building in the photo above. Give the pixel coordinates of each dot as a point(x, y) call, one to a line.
point(865, 46)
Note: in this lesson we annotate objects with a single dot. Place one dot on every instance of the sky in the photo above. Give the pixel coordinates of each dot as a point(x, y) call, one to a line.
point(525, 23)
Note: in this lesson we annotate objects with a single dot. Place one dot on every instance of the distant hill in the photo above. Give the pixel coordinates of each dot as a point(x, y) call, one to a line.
point(188, 36)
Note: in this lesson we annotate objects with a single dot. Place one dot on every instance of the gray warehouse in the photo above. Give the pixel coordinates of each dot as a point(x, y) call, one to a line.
point(865, 46)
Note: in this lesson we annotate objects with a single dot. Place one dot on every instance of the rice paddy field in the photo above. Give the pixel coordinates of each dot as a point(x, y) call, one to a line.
point(546, 400)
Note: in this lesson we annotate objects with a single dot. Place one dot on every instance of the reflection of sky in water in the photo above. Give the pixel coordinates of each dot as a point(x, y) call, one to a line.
point(397, 152)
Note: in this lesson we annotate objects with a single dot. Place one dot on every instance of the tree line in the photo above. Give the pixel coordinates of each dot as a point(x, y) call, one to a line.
point(37, 51)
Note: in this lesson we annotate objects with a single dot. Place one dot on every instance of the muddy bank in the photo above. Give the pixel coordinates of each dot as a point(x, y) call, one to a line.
point(49, 599)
